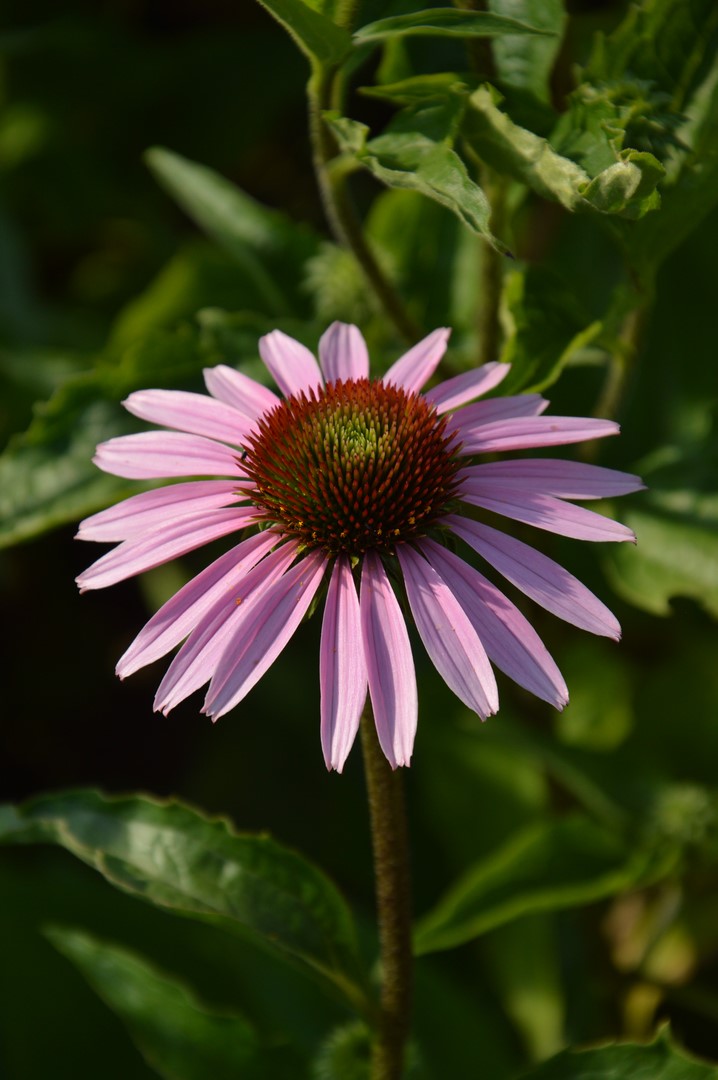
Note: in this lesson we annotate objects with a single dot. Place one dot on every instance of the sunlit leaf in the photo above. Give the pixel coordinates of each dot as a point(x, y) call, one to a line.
point(445, 22)
point(316, 35)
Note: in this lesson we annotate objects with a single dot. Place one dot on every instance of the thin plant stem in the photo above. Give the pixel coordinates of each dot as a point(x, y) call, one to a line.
point(340, 212)
point(391, 868)
point(492, 272)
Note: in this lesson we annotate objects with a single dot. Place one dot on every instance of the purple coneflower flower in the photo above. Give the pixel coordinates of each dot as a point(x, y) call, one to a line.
point(358, 482)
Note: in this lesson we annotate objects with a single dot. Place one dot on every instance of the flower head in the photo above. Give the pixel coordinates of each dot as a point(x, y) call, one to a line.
point(355, 482)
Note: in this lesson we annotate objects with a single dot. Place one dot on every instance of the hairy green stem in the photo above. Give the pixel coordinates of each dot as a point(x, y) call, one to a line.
point(340, 213)
point(391, 869)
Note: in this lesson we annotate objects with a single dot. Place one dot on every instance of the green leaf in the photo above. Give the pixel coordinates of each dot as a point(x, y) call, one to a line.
point(173, 857)
point(546, 867)
point(625, 187)
point(676, 522)
point(418, 162)
point(546, 328)
point(659, 1060)
point(317, 36)
point(253, 235)
point(445, 22)
point(525, 63)
point(46, 474)
point(181, 1038)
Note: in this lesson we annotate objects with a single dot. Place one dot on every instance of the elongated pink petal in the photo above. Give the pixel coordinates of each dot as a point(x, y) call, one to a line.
point(468, 423)
point(255, 645)
point(134, 556)
point(290, 363)
point(342, 669)
point(510, 640)
point(154, 454)
point(343, 353)
point(390, 666)
point(523, 434)
point(544, 512)
point(457, 391)
point(153, 509)
point(197, 660)
point(565, 479)
point(413, 369)
point(538, 577)
point(183, 611)
point(448, 635)
point(197, 414)
point(236, 389)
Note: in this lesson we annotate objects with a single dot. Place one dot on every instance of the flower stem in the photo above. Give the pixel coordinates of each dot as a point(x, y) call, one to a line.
point(391, 867)
point(340, 212)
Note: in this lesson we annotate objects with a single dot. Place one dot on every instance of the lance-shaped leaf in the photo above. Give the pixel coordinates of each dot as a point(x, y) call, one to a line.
point(446, 22)
point(177, 859)
point(524, 62)
point(625, 187)
point(660, 1059)
point(420, 158)
point(316, 35)
point(546, 867)
point(179, 1036)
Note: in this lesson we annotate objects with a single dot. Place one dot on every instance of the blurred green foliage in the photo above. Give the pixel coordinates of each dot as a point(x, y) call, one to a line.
point(157, 215)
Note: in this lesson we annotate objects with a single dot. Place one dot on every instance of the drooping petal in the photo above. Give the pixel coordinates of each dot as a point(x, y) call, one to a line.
point(545, 512)
point(564, 479)
point(390, 666)
point(161, 454)
point(448, 635)
point(236, 389)
point(524, 433)
point(290, 363)
point(539, 577)
point(134, 556)
point(183, 611)
point(463, 388)
point(468, 423)
point(153, 509)
point(343, 353)
point(412, 370)
point(196, 414)
point(197, 660)
point(255, 644)
point(510, 640)
point(342, 668)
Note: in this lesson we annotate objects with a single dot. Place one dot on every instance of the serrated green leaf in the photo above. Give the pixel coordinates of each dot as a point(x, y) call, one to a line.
point(659, 1060)
point(546, 867)
point(418, 162)
point(445, 22)
point(181, 1038)
point(524, 62)
point(316, 35)
point(626, 187)
point(173, 857)
point(676, 522)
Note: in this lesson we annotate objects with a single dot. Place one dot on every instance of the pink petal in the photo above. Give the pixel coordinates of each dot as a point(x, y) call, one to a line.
point(343, 353)
point(449, 637)
point(469, 422)
point(413, 369)
point(250, 397)
point(198, 658)
point(290, 363)
point(565, 479)
point(342, 669)
point(160, 454)
point(538, 577)
point(452, 393)
point(134, 556)
point(509, 639)
point(183, 611)
point(521, 434)
point(390, 666)
point(197, 414)
point(153, 509)
point(256, 642)
point(544, 512)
